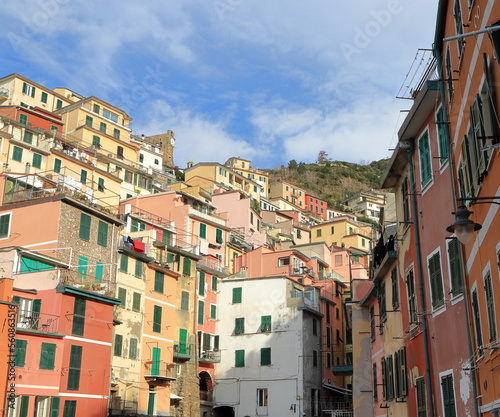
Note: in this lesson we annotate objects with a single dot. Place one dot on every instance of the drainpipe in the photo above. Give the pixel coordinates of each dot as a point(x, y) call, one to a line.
point(423, 317)
point(439, 65)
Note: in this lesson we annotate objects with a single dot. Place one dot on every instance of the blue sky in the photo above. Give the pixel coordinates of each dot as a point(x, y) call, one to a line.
point(267, 81)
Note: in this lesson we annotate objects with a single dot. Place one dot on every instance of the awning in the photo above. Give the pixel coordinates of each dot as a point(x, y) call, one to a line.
point(340, 390)
point(175, 397)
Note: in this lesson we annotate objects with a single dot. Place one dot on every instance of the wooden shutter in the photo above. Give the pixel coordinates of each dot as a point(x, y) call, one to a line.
point(138, 268)
point(159, 282)
point(47, 356)
point(157, 319)
point(75, 362)
point(85, 221)
point(99, 271)
point(155, 368)
point(118, 345)
point(79, 317)
point(183, 334)
point(237, 295)
point(425, 159)
point(24, 406)
point(184, 300)
point(455, 266)
point(186, 269)
point(213, 311)
point(124, 263)
point(214, 283)
point(136, 301)
point(201, 287)
point(477, 322)
point(102, 234)
point(201, 312)
point(69, 408)
point(490, 307)
point(206, 342)
point(218, 235)
point(133, 348)
point(436, 280)
point(20, 349)
point(239, 325)
point(265, 356)
point(239, 358)
point(54, 406)
point(4, 225)
point(203, 230)
point(384, 379)
point(122, 296)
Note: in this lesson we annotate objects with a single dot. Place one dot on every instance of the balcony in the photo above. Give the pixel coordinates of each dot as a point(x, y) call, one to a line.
point(4, 94)
point(121, 407)
point(159, 373)
point(205, 216)
point(387, 262)
point(28, 320)
point(346, 367)
point(206, 396)
point(212, 356)
point(183, 351)
point(214, 265)
point(82, 280)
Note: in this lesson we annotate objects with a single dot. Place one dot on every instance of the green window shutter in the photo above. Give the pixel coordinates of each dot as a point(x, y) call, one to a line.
point(47, 356)
point(490, 307)
point(33, 89)
point(24, 406)
point(133, 348)
point(82, 267)
point(20, 347)
point(59, 104)
point(157, 319)
point(201, 312)
point(102, 234)
point(83, 176)
point(54, 406)
point(265, 324)
point(206, 341)
point(124, 263)
point(117, 349)
point(85, 221)
point(28, 137)
point(96, 141)
point(79, 317)
point(216, 343)
point(218, 235)
point(75, 362)
point(236, 295)
point(17, 154)
point(102, 127)
point(69, 408)
point(23, 119)
point(183, 334)
point(37, 160)
point(96, 108)
point(4, 225)
point(213, 311)
point(477, 320)
point(425, 159)
point(265, 356)
point(166, 238)
point(239, 325)
point(88, 121)
point(448, 396)
point(116, 133)
point(214, 283)
point(159, 282)
point(138, 268)
point(441, 128)
point(186, 267)
point(136, 301)
point(203, 230)
point(57, 166)
point(436, 281)
point(455, 266)
point(99, 271)
point(201, 287)
point(44, 97)
point(156, 357)
point(239, 358)
point(184, 300)
point(32, 265)
point(122, 296)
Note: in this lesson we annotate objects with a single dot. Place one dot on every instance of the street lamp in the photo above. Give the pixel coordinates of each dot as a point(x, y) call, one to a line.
point(463, 226)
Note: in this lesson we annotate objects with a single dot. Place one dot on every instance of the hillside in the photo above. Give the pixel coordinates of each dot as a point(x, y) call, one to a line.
point(332, 181)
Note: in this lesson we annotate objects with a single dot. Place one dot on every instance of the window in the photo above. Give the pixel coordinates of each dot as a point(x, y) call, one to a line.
point(318, 233)
point(455, 266)
point(57, 165)
point(237, 295)
point(83, 269)
point(59, 104)
point(328, 336)
point(425, 159)
point(96, 142)
point(213, 311)
point(265, 356)
point(141, 158)
point(132, 353)
point(47, 356)
point(42, 405)
point(119, 152)
point(449, 75)
point(372, 324)
point(44, 97)
point(69, 408)
point(138, 268)
point(29, 90)
point(477, 321)
point(20, 352)
point(4, 225)
point(201, 284)
point(406, 201)
point(75, 362)
point(490, 307)
point(400, 373)
point(85, 221)
point(388, 379)
point(421, 398)
point(88, 121)
point(96, 108)
point(54, 406)
point(239, 325)
point(382, 306)
point(186, 266)
point(214, 283)
point(395, 288)
point(201, 312)
point(117, 349)
point(185, 300)
point(28, 137)
point(138, 226)
point(218, 235)
point(284, 261)
point(338, 260)
point(124, 263)
point(448, 396)
point(116, 133)
point(17, 154)
point(159, 282)
point(136, 301)
point(122, 296)
point(315, 358)
point(110, 115)
point(459, 26)
point(239, 358)
point(23, 119)
point(375, 382)
point(262, 397)
point(99, 271)
point(265, 324)
point(78, 317)
point(315, 327)
point(412, 297)
point(157, 319)
point(102, 127)
point(183, 335)
point(441, 132)
point(299, 234)
point(102, 234)
point(83, 176)
point(437, 291)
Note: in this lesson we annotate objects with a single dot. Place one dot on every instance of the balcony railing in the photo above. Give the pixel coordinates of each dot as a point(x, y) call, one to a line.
point(183, 350)
point(210, 356)
point(159, 372)
point(206, 396)
point(122, 407)
point(85, 281)
point(35, 321)
point(212, 264)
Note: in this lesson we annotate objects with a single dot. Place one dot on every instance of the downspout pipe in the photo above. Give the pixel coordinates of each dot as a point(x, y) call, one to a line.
point(423, 309)
point(437, 50)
